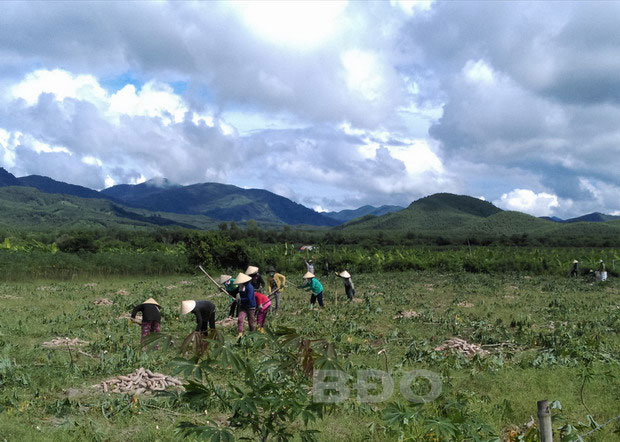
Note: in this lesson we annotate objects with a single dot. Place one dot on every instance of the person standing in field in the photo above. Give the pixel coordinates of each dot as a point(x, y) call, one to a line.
point(232, 289)
point(257, 280)
point(204, 312)
point(276, 283)
point(309, 266)
point(247, 302)
point(151, 318)
point(315, 287)
point(262, 308)
point(574, 269)
point(349, 288)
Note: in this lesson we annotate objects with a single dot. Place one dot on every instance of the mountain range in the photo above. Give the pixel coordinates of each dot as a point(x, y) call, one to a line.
point(31, 200)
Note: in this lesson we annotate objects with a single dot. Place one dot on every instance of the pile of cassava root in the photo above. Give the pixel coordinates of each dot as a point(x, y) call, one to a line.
point(138, 382)
point(64, 342)
point(463, 347)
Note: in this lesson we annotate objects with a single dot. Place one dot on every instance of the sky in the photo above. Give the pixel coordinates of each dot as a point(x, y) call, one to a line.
point(333, 104)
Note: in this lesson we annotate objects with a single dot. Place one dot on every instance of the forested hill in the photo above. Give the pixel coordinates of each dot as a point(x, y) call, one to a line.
point(219, 201)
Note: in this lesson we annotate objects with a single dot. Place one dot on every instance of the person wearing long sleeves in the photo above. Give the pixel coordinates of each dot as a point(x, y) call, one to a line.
point(276, 283)
point(257, 280)
point(232, 289)
point(315, 287)
point(151, 318)
point(204, 312)
point(247, 302)
point(349, 288)
point(262, 308)
point(574, 271)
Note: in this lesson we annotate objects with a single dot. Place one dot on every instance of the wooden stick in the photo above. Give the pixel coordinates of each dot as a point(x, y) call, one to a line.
point(213, 280)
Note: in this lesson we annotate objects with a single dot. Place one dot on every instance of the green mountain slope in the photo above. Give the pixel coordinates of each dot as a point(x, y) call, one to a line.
point(219, 201)
point(28, 208)
point(509, 223)
point(351, 214)
point(442, 212)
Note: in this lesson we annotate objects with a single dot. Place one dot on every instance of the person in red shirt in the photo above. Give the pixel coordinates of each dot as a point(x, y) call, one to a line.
point(262, 306)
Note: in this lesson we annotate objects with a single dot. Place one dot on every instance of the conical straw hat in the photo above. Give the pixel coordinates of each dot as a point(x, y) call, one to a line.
point(251, 270)
point(345, 274)
point(309, 275)
point(242, 278)
point(575, 261)
point(151, 301)
point(224, 278)
point(187, 306)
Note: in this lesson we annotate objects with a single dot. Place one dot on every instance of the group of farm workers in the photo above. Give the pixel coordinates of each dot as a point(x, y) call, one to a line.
point(600, 274)
point(246, 300)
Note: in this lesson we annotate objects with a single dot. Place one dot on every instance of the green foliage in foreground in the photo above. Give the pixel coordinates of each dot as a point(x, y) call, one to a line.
point(549, 338)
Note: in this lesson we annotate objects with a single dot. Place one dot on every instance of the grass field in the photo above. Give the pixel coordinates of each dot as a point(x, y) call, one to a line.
point(548, 338)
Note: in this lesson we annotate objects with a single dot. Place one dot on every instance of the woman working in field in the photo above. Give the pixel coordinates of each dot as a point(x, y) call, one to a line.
point(276, 283)
point(257, 280)
point(349, 288)
point(232, 289)
point(247, 302)
point(151, 318)
point(262, 308)
point(204, 312)
point(316, 289)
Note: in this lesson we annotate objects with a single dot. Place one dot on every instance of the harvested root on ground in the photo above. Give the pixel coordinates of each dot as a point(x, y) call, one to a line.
point(185, 283)
point(227, 322)
point(125, 316)
point(407, 315)
point(122, 292)
point(357, 300)
point(170, 287)
point(10, 297)
point(138, 382)
point(91, 284)
point(463, 347)
point(102, 301)
point(64, 342)
point(465, 304)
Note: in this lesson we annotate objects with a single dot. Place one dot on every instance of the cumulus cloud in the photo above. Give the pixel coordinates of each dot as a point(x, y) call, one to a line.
point(334, 105)
point(525, 200)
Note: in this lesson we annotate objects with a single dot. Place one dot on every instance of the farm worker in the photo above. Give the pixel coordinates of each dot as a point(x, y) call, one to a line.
point(204, 312)
point(232, 289)
point(262, 308)
point(349, 288)
point(601, 273)
point(309, 266)
point(316, 289)
point(257, 280)
point(573, 270)
point(247, 302)
point(276, 283)
point(151, 317)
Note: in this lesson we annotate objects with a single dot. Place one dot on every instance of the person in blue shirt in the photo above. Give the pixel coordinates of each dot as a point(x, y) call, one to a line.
point(316, 289)
point(247, 302)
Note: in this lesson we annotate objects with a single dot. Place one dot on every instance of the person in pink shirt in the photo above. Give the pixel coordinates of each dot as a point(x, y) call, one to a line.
point(262, 307)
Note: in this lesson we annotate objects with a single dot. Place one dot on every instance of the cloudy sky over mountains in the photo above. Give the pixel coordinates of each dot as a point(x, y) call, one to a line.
point(332, 104)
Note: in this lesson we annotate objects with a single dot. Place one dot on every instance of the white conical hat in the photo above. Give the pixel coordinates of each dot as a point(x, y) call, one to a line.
point(242, 278)
point(151, 301)
point(251, 270)
point(309, 275)
point(575, 261)
point(224, 279)
point(187, 306)
point(345, 274)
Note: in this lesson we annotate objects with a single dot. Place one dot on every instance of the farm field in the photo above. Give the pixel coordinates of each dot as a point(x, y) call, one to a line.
point(547, 337)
